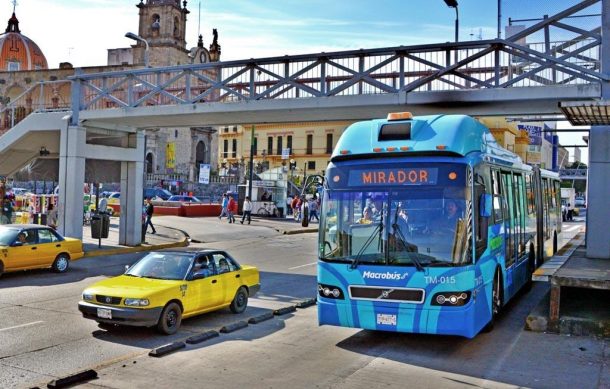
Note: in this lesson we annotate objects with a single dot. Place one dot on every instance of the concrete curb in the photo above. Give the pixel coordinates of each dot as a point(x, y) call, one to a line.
point(73, 379)
point(137, 249)
point(202, 337)
point(164, 350)
point(285, 310)
point(294, 232)
point(234, 327)
point(306, 303)
point(260, 318)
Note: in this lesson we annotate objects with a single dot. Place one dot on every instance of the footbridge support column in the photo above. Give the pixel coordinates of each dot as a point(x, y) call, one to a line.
point(71, 180)
point(598, 241)
point(132, 192)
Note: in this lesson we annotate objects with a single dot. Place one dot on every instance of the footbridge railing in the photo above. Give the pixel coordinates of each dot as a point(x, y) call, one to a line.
point(566, 55)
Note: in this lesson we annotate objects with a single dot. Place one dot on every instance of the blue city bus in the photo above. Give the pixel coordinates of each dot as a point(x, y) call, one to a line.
point(429, 226)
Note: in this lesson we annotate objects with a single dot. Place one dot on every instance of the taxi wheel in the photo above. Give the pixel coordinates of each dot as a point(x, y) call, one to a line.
point(240, 302)
point(61, 263)
point(170, 319)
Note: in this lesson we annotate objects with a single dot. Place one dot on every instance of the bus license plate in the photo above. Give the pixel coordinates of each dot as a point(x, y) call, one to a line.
point(386, 319)
point(104, 313)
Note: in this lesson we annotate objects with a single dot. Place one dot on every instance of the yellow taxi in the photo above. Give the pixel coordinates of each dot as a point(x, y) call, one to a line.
point(164, 287)
point(32, 246)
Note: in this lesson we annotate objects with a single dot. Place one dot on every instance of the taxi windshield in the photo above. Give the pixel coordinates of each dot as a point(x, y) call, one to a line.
point(162, 266)
point(7, 236)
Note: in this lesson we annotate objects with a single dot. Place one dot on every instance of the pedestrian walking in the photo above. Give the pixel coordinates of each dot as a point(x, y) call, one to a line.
point(52, 216)
point(247, 208)
point(150, 209)
point(313, 209)
point(223, 203)
point(7, 211)
point(231, 209)
point(570, 212)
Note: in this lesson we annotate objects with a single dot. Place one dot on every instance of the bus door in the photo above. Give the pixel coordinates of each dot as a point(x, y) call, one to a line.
point(512, 236)
point(520, 212)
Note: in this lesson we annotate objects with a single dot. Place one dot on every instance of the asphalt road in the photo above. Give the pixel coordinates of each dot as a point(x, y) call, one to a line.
point(43, 336)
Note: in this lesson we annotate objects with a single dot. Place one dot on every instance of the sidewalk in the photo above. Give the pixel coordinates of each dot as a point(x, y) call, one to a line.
point(286, 225)
point(165, 237)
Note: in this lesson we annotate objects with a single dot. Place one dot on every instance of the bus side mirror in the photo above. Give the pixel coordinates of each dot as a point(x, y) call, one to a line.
point(485, 205)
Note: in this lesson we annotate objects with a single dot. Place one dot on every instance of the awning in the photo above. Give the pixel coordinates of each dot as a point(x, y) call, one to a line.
point(587, 113)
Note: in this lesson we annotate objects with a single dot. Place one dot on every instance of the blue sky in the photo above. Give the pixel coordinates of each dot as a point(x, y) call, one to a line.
point(81, 31)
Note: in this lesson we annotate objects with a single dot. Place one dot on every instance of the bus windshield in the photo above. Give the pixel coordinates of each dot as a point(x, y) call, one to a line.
point(418, 226)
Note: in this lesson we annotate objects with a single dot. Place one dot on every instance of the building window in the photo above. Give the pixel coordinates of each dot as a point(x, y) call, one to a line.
point(175, 133)
point(234, 154)
point(270, 145)
point(225, 153)
point(289, 143)
point(279, 145)
point(311, 165)
point(309, 149)
point(225, 130)
point(329, 143)
point(234, 128)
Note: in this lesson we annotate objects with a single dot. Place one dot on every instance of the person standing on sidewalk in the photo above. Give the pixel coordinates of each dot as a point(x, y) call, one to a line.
point(247, 208)
point(232, 208)
point(223, 204)
point(150, 209)
point(313, 209)
point(51, 216)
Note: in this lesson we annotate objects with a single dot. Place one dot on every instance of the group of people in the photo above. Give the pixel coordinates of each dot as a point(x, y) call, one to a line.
point(299, 203)
point(229, 208)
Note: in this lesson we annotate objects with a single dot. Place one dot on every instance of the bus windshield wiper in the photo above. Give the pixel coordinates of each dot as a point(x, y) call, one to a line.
point(378, 229)
point(398, 231)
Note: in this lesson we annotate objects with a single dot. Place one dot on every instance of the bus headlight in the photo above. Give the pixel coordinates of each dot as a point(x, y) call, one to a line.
point(452, 299)
point(330, 292)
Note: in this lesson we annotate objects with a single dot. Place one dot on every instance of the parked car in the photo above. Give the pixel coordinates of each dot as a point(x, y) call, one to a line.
point(580, 202)
point(164, 287)
point(161, 193)
point(184, 199)
point(32, 246)
point(19, 191)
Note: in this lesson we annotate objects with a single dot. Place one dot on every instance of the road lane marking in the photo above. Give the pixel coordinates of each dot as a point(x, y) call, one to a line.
point(21, 325)
point(296, 267)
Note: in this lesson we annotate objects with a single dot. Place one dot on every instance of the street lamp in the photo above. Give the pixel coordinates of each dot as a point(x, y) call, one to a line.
point(454, 4)
point(138, 38)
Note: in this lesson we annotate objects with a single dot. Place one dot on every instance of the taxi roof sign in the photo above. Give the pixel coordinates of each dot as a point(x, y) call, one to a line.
point(400, 116)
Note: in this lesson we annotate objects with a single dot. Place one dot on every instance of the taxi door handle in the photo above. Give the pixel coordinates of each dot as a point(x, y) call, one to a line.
point(237, 276)
point(34, 248)
point(214, 281)
point(57, 245)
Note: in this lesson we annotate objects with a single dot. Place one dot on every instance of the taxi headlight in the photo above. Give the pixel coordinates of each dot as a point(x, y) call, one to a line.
point(87, 296)
point(137, 302)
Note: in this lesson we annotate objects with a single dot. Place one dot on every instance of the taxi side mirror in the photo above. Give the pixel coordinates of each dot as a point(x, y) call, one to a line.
point(17, 244)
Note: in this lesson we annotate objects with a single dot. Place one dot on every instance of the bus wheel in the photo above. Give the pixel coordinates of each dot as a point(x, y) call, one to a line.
point(496, 301)
point(554, 243)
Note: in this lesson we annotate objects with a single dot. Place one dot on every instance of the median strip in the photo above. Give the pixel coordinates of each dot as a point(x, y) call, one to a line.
point(306, 303)
point(73, 379)
point(202, 337)
point(260, 318)
point(234, 327)
point(285, 310)
point(164, 350)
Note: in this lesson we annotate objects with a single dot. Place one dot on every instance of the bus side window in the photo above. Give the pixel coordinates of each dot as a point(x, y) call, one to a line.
point(497, 197)
point(482, 222)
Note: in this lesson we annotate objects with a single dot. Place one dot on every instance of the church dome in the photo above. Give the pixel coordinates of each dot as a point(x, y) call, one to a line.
point(18, 52)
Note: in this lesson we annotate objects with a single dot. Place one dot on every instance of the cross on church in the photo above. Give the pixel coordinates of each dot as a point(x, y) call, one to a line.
point(14, 2)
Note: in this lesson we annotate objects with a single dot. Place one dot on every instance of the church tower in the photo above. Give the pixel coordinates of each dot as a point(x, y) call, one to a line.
point(163, 25)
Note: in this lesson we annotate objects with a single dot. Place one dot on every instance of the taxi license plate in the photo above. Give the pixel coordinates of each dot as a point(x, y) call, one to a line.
point(104, 313)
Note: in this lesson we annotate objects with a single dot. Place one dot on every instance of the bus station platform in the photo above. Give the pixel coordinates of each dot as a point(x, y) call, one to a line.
point(577, 300)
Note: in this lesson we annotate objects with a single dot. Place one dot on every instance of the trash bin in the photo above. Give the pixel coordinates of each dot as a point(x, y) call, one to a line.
point(100, 226)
